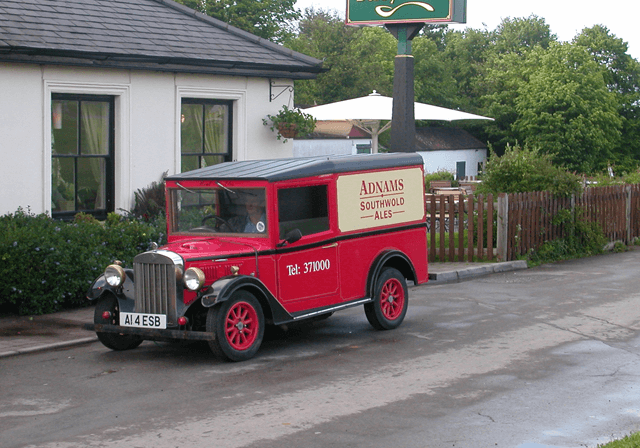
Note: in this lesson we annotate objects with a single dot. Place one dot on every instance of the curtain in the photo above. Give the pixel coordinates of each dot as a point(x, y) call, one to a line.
point(95, 141)
point(215, 131)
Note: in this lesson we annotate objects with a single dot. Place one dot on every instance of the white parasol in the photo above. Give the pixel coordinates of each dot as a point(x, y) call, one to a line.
point(368, 111)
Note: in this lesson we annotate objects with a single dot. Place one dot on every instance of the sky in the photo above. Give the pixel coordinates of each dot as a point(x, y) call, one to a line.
point(566, 18)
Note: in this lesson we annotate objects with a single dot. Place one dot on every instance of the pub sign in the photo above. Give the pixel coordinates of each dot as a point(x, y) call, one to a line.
point(381, 12)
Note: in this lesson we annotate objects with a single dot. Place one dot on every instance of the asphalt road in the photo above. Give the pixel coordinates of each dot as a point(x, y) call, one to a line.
point(549, 356)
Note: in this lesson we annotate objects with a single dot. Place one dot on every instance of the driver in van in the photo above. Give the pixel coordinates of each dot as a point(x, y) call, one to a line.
point(255, 219)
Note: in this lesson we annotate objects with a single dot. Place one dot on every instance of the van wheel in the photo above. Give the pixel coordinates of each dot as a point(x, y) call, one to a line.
point(238, 326)
point(112, 340)
point(390, 301)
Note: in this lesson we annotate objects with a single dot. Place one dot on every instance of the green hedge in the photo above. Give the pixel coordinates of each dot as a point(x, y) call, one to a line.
point(48, 265)
point(439, 175)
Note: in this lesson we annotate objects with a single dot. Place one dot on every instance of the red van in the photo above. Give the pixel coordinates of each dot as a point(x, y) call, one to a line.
point(270, 242)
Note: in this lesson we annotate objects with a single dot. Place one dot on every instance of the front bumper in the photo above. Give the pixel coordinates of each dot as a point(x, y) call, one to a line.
point(152, 334)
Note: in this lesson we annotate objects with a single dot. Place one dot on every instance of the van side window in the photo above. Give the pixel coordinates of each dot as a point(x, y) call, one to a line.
point(303, 208)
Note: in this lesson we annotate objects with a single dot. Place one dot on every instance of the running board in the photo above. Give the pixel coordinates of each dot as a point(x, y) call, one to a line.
point(332, 309)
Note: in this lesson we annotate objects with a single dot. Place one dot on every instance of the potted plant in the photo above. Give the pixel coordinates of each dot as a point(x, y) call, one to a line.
point(290, 123)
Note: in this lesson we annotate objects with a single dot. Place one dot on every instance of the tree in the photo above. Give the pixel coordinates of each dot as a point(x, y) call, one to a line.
point(502, 65)
point(434, 81)
point(360, 59)
point(520, 35)
point(268, 19)
point(622, 75)
point(566, 110)
point(465, 53)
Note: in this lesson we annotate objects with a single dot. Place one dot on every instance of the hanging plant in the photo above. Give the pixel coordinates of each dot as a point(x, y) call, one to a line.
point(290, 123)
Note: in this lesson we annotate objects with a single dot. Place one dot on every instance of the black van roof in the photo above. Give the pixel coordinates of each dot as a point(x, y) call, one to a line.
point(294, 168)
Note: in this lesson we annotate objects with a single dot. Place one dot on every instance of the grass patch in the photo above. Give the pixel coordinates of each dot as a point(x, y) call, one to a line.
point(630, 441)
point(456, 245)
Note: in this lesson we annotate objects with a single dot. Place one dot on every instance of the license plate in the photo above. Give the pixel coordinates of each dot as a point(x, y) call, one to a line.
point(143, 320)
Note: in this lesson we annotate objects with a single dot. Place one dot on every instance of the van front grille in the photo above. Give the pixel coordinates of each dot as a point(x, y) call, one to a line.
point(155, 285)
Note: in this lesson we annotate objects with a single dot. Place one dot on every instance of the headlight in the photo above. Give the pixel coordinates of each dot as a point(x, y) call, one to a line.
point(193, 279)
point(114, 275)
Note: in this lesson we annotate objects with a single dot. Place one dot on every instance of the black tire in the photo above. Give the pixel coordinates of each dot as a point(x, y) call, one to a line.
point(238, 325)
point(390, 302)
point(112, 340)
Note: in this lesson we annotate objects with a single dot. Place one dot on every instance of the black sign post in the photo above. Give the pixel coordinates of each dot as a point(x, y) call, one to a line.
point(403, 124)
point(404, 19)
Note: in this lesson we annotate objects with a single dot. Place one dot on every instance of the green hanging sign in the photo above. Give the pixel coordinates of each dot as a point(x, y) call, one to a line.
point(381, 12)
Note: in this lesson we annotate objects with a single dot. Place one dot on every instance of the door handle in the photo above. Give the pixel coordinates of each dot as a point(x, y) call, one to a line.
point(330, 245)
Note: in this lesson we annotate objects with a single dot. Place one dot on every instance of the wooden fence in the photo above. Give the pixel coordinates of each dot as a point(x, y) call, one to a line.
point(452, 235)
point(525, 220)
point(518, 223)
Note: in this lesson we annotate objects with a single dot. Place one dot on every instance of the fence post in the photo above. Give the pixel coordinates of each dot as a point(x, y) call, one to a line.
point(628, 213)
point(503, 226)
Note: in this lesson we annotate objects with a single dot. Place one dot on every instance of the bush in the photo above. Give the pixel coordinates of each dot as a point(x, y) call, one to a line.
point(149, 202)
point(605, 179)
point(522, 170)
point(48, 265)
point(439, 175)
point(583, 239)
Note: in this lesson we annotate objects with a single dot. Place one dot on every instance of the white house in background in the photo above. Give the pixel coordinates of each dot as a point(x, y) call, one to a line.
point(99, 98)
point(450, 149)
point(333, 137)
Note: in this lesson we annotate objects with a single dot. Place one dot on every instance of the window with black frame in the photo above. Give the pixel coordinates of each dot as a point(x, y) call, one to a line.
point(205, 132)
point(82, 147)
point(217, 210)
point(303, 208)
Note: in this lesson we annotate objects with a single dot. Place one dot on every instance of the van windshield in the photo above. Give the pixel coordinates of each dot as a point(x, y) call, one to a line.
point(218, 210)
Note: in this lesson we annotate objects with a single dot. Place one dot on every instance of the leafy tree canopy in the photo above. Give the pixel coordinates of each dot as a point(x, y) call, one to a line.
point(566, 110)
point(360, 59)
point(269, 19)
point(621, 73)
point(519, 35)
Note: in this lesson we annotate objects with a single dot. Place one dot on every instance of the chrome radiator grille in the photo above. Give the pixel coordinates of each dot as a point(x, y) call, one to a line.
point(155, 284)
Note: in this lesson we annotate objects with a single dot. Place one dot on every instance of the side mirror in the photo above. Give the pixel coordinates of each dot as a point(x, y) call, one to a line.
point(291, 237)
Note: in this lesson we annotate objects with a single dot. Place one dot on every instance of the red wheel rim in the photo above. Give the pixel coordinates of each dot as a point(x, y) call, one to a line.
point(392, 299)
point(241, 326)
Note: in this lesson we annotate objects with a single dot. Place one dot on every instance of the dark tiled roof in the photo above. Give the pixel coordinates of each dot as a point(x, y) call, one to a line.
point(438, 139)
point(145, 34)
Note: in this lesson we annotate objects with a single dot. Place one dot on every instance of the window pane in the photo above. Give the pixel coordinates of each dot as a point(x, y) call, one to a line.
point(216, 126)
point(95, 128)
point(191, 129)
point(91, 183)
point(303, 208)
point(190, 163)
point(62, 185)
point(64, 127)
point(218, 211)
point(211, 160)
point(82, 147)
point(205, 130)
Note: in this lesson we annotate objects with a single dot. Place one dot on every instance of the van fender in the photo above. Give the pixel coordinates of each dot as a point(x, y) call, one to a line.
point(222, 289)
point(100, 287)
point(124, 294)
point(393, 259)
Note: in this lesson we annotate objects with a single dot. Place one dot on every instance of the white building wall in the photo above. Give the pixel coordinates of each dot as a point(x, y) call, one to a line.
point(21, 170)
point(147, 125)
point(324, 147)
point(446, 160)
